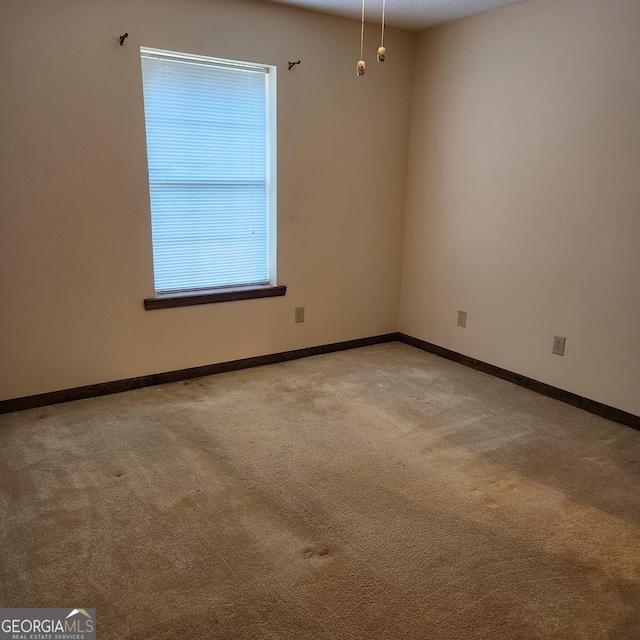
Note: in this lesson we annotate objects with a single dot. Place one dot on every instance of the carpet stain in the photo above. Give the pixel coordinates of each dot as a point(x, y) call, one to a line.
point(318, 551)
point(188, 501)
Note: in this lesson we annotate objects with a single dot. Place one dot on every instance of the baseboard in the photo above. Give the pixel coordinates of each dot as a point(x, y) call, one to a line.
point(603, 410)
point(117, 386)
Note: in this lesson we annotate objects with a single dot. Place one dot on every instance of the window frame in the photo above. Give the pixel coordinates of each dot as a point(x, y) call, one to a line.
point(231, 292)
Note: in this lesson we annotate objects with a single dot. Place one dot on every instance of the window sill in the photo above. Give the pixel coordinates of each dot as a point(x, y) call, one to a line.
point(210, 296)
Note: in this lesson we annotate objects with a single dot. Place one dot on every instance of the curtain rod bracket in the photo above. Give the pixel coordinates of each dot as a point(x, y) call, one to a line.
point(123, 38)
point(293, 64)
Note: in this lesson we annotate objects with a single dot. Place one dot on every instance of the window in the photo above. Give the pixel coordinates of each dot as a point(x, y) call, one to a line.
point(210, 127)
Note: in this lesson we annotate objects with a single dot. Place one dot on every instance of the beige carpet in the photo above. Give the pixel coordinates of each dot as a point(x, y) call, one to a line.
point(375, 493)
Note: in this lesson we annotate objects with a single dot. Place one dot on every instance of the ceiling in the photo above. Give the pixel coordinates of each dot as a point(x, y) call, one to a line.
point(408, 14)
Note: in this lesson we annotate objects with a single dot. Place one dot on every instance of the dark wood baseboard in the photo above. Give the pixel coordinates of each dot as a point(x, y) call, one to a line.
point(603, 410)
point(107, 388)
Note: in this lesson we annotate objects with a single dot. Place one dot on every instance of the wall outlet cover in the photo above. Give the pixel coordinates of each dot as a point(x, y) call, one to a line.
point(299, 314)
point(462, 319)
point(558, 345)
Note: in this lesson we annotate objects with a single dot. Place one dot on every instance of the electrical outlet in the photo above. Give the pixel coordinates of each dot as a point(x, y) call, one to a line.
point(462, 319)
point(299, 314)
point(558, 345)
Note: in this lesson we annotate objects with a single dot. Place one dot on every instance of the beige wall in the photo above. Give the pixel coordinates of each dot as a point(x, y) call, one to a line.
point(75, 247)
point(523, 201)
point(522, 193)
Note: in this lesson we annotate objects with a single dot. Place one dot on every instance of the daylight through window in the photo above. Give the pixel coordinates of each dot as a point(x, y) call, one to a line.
point(210, 131)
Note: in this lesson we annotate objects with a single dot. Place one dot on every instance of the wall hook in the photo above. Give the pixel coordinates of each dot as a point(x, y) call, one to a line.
point(123, 38)
point(293, 64)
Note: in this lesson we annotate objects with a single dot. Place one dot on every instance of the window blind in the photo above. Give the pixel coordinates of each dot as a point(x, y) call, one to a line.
point(206, 125)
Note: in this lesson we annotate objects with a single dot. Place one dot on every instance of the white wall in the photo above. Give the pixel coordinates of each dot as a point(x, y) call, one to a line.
point(523, 200)
point(75, 246)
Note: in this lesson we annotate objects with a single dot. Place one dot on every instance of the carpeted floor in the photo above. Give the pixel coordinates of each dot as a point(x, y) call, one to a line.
point(381, 492)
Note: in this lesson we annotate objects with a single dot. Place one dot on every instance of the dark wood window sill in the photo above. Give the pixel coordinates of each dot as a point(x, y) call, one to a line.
point(209, 296)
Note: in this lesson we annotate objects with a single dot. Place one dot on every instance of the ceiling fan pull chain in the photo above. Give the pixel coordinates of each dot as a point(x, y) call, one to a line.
point(361, 64)
point(382, 52)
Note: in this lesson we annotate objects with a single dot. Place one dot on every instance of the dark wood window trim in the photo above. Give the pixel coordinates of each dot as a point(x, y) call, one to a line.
point(210, 296)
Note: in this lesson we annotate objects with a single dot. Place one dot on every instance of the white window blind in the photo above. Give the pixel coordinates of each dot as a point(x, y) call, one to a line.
point(207, 145)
